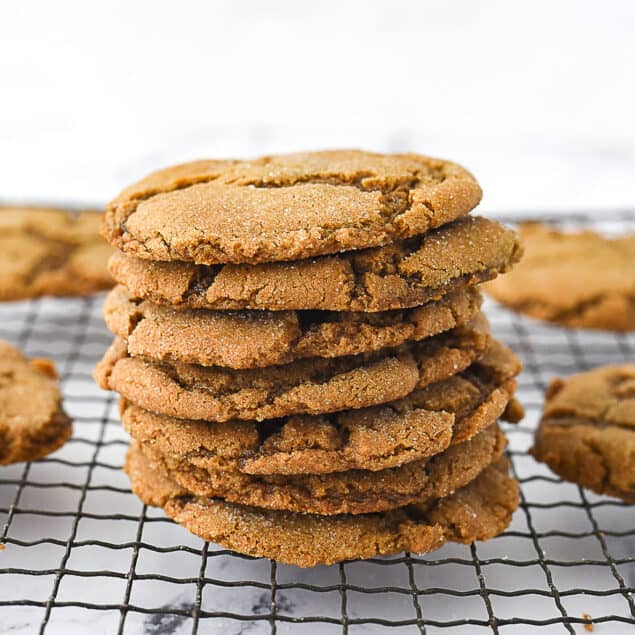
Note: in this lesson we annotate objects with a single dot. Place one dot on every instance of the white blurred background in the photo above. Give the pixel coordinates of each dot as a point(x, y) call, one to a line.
point(536, 97)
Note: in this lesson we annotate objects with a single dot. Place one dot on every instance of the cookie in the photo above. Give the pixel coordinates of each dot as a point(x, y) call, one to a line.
point(478, 511)
point(575, 279)
point(286, 207)
point(587, 432)
point(242, 339)
point(421, 425)
point(32, 422)
point(350, 492)
point(397, 276)
point(314, 385)
point(255, 339)
point(51, 252)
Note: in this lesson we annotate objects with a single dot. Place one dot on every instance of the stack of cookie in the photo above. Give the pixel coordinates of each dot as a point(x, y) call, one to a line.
point(303, 365)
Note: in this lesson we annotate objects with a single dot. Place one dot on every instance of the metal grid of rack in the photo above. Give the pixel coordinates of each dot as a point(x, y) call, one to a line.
point(81, 552)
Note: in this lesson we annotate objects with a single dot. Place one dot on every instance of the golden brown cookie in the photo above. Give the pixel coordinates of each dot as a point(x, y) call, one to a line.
point(314, 385)
point(421, 425)
point(243, 339)
point(576, 279)
point(478, 511)
point(397, 276)
point(51, 252)
point(587, 432)
point(350, 492)
point(286, 207)
point(32, 422)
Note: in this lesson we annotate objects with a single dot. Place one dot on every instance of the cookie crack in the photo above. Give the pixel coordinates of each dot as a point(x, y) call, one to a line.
point(203, 277)
point(135, 316)
point(166, 244)
point(363, 180)
point(358, 180)
point(59, 254)
point(50, 262)
point(364, 292)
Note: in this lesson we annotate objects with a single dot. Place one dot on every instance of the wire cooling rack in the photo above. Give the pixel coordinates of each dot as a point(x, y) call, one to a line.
point(82, 554)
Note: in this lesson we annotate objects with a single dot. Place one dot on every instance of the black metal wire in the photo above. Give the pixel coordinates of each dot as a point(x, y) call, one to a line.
point(49, 505)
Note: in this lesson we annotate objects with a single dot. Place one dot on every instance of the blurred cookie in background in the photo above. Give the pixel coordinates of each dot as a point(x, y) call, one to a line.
point(46, 251)
point(576, 279)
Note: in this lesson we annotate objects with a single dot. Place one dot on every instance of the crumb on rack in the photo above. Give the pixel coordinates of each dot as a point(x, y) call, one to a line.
point(588, 626)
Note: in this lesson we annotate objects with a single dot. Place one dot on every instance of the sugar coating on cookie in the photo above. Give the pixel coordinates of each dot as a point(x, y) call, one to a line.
point(587, 432)
point(32, 422)
point(51, 252)
point(286, 207)
point(396, 276)
point(478, 511)
point(577, 279)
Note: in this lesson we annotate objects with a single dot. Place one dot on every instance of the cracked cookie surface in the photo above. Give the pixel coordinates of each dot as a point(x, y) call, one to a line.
point(257, 339)
point(587, 432)
point(577, 279)
point(32, 421)
point(350, 492)
point(396, 276)
point(314, 385)
point(51, 252)
point(478, 511)
point(286, 207)
point(420, 425)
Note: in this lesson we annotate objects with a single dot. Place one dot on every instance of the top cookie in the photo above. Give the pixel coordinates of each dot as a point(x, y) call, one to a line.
point(587, 433)
point(32, 422)
point(286, 207)
point(575, 279)
point(51, 252)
